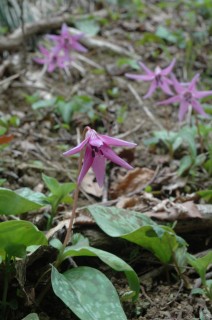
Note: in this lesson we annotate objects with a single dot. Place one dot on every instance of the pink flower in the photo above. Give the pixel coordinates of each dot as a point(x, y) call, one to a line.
point(158, 78)
point(67, 42)
point(97, 150)
point(52, 59)
point(187, 95)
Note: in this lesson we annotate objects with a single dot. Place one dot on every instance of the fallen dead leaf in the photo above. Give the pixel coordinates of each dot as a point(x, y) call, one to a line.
point(134, 181)
point(168, 210)
point(6, 139)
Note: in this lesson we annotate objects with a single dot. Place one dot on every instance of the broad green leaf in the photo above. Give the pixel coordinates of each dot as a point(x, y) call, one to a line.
point(89, 26)
point(20, 201)
point(206, 194)
point(51, 183)
point(31, 316)
point(88, 293)
point(185, 164)
point(44, 103)
point(110, 259)
point(17, 235)
point(200, 264)
point(137, 228)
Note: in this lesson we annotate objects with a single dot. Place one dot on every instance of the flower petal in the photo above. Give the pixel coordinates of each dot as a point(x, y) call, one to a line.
point(88, 161)
point(98, 166)
point(202, 94)
point(78, 47)
point(177, 85)
point(112, 156)
point(115, 141)
point(168, 69)
point(151, 90)
point(140, 77)
point(193, 82)
point(169, 101)
point(198, 108)
point(77, 148)
point(147, 70)
point(165, 87)
point(182, 111)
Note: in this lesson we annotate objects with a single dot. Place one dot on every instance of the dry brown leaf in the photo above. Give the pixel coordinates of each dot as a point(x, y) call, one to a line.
point(168, 210)
point(133, 181)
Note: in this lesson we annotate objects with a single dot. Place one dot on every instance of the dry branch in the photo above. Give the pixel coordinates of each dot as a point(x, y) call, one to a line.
point(15, 40)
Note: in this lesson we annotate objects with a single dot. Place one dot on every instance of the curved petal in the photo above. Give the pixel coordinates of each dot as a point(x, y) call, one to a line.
point(44, 51)
point(151, 90)
point(177, 85)
point(165, 87)
point(77, 148)
point(198, 108)
point(53, 37)
point(168, 69)
point(51, 67)
point(112, 156)
point(115, 141)
point(193, 82)
point(40, 60)
point(78, 47)
point(64, 29)
point(202, 94)
point(140, 77)
point(169, 101)
point(88, 161)
point(98, 166)
point(147, 70)
point(182, 111)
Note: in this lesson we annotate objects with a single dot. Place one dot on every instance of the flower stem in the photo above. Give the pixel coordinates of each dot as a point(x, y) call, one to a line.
point(76, 194)
point(199, 135)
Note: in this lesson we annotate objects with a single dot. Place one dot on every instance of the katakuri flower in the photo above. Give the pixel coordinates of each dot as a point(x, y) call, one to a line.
point(66, 41)
point(52, 59)
point(187, 95)
point(97, 150)
point(158, 78)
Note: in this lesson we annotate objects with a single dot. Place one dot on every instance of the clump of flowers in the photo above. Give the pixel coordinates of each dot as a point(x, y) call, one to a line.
point(158, 78)
point(60, 54)
point(97, 150)
point(187, 96)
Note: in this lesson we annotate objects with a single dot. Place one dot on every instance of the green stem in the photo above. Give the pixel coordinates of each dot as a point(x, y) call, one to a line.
point(199, 135)
point(6, 284)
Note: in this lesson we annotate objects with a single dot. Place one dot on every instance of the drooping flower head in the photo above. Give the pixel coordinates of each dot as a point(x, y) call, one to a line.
point(66, 41)
point(97, 150)
point(158, 78)
point(52, 59)
point(187, 95)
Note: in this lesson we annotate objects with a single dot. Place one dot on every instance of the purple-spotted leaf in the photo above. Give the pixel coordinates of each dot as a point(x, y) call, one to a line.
point(137, 228)
point(88, 293)
point(110, 259)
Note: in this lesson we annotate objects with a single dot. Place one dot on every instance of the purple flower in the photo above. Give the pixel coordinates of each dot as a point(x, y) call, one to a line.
point(67, 42)
point(52, 59)
point(97, 150)
point(187, 95)
point(158, 78)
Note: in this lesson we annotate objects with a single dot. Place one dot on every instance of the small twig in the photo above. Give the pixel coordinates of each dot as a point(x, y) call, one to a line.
point(127, 133)
point(146, 296)
point(146, 110)
point(178, 292)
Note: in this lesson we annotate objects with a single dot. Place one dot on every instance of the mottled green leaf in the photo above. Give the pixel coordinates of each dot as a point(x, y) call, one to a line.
point(110, 259)
point(31, 316)
point(137, 228)
point(20, 201)
point(17, 235)
point(200, 264)
point(89, 26)
point(88, 293)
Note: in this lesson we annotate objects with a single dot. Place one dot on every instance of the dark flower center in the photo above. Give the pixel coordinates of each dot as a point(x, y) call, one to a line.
point(187, 96)
point(159, 79)
point(95, 150)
